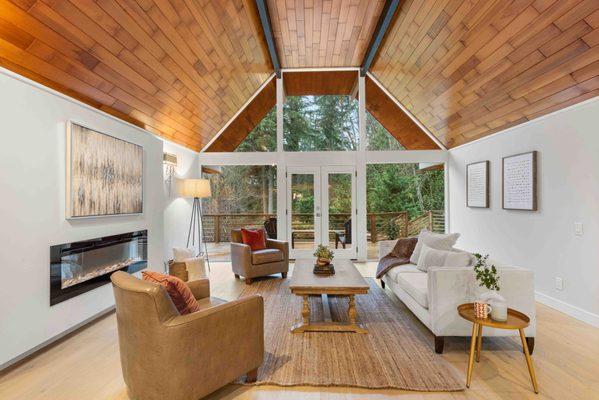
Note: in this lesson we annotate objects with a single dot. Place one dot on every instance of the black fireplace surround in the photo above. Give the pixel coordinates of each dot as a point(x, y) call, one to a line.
point(79, 267)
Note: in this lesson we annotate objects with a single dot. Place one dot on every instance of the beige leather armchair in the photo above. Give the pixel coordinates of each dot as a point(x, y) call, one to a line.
point(165, 355)
point(252, 264)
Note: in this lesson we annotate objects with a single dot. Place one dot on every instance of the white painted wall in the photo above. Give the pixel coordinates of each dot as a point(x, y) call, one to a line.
point(544, 241)
point(32, 211)
point(177, 210)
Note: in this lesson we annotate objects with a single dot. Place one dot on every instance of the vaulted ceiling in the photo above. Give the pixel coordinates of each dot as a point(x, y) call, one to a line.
point(183, 68)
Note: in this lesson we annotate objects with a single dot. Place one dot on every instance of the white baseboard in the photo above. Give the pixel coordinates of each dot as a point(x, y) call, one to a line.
point(55, 338)
point(573, 311)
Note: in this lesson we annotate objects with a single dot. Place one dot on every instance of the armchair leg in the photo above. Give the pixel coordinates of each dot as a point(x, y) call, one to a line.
point(252, 376)
point(382, 283)
point(236, 276)
point(284, 275)
point(530, 342)
point(439, 344)
point(248, 281)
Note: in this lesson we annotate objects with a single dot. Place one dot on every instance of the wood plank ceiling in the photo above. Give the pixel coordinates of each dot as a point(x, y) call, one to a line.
point(323, 33)
point(178, 68)
point(467, 69)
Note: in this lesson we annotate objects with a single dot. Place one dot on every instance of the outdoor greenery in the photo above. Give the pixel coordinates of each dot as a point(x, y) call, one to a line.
point(319, 123)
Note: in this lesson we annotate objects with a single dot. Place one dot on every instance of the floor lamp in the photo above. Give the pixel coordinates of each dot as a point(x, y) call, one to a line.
point(196, 189)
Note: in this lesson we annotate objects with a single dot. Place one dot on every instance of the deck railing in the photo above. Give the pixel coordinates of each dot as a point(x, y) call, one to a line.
point(217, 227)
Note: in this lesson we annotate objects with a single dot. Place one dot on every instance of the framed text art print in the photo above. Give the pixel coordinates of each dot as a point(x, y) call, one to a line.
point(477, 184)
point(519, 176)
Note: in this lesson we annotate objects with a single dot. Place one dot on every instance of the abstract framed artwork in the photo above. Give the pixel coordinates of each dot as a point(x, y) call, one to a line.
point(477, 184)
point(104, 174)
point(519, 186)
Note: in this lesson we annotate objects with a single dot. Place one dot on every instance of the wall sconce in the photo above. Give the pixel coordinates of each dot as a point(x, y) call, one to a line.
point(170, 163)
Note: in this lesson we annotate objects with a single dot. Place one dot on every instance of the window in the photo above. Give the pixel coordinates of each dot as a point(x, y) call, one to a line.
point(378, 137)
point(264, 135)
point(320, 123)
point(242, 195)
point(402, 199)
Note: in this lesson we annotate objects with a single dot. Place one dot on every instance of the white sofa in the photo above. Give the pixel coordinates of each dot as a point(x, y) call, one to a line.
point(434, 296)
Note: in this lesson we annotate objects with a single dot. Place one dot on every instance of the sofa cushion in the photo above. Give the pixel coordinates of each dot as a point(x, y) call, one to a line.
point(266, 256)
point(180, 294)
point(255, 238)
point(430, 257)
point(416, 285)
point(394, 272)
point(437, 241)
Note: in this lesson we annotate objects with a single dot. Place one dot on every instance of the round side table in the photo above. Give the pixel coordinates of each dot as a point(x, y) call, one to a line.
point(515, 320)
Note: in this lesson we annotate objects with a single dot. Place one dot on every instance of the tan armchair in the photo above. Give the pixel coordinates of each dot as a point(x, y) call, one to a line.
point(252, 264)
point(165, 355)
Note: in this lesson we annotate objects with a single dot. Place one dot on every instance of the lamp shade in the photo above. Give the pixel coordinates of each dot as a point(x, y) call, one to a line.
point(199, 188)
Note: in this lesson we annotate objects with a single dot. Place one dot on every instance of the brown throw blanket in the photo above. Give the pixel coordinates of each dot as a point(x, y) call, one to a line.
point(399, 255)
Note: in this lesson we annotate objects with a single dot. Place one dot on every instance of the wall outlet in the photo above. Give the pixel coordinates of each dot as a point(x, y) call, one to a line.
point(578, 230)
point(559, 284)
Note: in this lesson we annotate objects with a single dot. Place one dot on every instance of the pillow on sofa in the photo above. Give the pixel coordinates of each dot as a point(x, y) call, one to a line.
point(254, 238)
point(430, 257)
point(196, 268)
point(437, 241)
point(181, 254)
point(177, 290)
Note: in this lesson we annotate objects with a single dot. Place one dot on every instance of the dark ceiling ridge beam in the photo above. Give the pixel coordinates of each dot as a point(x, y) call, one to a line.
point(270, 39)
point(379, 33)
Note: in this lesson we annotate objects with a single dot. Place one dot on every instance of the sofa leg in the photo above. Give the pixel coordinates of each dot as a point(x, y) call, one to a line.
point(382, 283)
point(236, 276)
point(284, 275)
point(252, 376)
point(439, 344)
point(248, 281)
point(530, 342)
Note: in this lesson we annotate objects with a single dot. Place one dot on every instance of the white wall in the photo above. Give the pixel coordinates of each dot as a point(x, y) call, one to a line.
point(177, 210)
point(568, 191)
point(32, 216)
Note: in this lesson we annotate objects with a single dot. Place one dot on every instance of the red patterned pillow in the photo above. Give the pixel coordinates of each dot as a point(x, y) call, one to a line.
point(177, 290)
point(254, 238)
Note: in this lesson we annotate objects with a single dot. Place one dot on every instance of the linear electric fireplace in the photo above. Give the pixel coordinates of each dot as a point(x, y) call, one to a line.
point(78, 267)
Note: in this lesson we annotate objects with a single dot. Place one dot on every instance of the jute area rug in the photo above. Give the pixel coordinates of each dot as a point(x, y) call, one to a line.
point(396, 353)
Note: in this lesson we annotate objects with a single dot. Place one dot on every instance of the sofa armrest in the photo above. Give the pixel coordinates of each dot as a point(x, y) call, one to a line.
point(279, 245)
point(228, 337)
point(385, 247)
point(200, 288)
point(450, 287)
point(241, 258)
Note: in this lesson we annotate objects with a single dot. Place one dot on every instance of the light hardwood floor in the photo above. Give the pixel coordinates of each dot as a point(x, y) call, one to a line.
point(86, 365)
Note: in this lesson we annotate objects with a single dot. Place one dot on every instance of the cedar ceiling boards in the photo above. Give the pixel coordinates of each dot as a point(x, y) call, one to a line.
point(323, 33)
point(178, 68)
point(467, 69)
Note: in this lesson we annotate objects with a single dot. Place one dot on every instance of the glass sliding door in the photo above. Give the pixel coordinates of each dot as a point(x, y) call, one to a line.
point(303, 210)
point(339, 210)
point(321, 210)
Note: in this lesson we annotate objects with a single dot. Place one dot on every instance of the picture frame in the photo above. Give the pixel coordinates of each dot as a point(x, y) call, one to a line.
point(477, 184)
point(519, 182)
point(104, 174)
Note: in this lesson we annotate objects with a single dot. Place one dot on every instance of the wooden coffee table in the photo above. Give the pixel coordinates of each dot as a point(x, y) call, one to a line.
point(347, 281)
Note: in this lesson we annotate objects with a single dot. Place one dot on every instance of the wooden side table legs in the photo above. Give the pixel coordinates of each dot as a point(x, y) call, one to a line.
point(531, 368)
point(479, 342)
point(473, 343)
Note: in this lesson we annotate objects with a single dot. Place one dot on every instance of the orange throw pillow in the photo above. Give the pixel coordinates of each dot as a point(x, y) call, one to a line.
point(177, 290)
point(254, 238)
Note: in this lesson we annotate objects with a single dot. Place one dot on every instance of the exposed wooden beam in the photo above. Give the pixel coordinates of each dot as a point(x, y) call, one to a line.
point(379, 33)
point(270, 39)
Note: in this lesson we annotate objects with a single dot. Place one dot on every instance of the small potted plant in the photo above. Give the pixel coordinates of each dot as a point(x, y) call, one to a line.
point(487, 277)
point(323, 255)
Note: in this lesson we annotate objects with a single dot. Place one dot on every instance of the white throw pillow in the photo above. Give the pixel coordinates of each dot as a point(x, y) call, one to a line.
point(430, 257)
point(196, 268)
point(437, 241)
point(181, 254)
